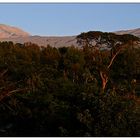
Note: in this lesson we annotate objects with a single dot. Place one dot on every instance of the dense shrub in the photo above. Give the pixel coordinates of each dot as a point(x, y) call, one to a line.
point(53, 92)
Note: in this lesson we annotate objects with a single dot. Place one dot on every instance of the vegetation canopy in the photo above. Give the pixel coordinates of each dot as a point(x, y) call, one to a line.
point(68, 91)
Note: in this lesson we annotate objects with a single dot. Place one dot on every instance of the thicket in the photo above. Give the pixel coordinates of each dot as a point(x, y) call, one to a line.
point(57, 92)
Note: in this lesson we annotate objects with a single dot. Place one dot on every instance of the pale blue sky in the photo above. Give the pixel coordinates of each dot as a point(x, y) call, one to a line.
point(70, 19)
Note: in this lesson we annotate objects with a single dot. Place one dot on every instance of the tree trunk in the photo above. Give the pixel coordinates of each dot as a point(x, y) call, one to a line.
point(104, 79)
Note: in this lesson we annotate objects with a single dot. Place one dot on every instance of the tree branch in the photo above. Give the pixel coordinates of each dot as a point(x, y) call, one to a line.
point(5, 71)
point(115, 55)
point(4, 94)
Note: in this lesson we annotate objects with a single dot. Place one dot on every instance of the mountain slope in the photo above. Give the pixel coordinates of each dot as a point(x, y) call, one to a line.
point(44, 41)
point(135, 32)
point(7, 31)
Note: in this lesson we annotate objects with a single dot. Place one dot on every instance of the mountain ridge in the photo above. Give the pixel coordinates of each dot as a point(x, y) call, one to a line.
point(17, 35)
point(135, 32)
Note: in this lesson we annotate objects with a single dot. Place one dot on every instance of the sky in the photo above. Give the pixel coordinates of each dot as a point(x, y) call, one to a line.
point(58, 19)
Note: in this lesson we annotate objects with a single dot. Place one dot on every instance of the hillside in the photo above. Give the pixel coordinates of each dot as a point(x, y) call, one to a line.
point(44, 41)
point(9, 33)
point(135, 32)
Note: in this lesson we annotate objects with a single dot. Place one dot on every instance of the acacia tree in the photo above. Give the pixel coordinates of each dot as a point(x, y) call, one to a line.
point(99, 44)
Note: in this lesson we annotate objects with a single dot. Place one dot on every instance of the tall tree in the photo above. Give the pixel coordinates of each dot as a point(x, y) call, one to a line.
point(97, 42)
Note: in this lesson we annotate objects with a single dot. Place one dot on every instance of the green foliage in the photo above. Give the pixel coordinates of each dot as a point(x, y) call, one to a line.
point(56, 92)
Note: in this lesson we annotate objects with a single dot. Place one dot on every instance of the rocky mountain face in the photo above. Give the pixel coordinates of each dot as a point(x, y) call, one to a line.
point(9, 33)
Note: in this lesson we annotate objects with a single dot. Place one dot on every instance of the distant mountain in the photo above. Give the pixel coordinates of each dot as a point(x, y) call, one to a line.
point(44, 41)
point(135, 32)
point(9, 33)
